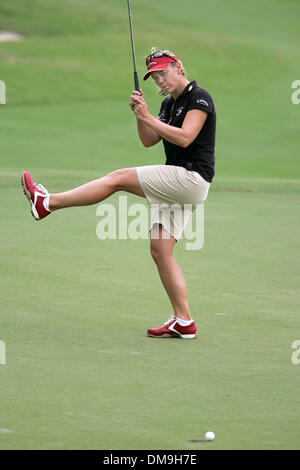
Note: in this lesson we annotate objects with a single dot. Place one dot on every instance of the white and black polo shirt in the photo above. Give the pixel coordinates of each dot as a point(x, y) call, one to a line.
point(199, 155)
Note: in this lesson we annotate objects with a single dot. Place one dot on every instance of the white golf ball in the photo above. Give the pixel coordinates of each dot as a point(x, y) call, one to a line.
point(209, 436)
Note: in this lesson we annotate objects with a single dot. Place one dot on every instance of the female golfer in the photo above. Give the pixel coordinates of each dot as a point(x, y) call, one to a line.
point(186, 123)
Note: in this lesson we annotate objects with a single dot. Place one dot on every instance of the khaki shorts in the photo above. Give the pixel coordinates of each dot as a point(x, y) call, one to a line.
point(173, 194)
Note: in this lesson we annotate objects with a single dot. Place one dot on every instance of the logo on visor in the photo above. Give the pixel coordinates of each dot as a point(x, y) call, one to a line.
point(152, 63)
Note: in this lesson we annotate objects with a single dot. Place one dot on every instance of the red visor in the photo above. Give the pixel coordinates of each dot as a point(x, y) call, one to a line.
point(157, 64)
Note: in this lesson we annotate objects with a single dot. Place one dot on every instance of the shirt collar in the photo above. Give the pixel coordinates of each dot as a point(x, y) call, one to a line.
point(190, 86)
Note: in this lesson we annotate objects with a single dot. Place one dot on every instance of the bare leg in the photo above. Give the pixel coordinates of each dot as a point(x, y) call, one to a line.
point(170, 274)
point(98, 190)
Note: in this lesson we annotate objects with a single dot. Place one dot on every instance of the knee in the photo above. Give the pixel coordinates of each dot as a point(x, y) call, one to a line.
point(159, 255)
point(116, 179)
point(154, 253)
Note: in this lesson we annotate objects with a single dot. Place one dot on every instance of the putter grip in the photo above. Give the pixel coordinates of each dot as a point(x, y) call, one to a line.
point(136, 81)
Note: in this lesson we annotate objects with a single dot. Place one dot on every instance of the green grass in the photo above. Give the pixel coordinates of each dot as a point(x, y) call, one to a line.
point(80, 372)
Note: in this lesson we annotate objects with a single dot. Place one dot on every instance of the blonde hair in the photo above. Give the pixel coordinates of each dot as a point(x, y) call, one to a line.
point(166, 51)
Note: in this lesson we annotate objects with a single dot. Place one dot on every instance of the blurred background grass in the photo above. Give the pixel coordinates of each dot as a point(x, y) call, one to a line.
point(245, 55)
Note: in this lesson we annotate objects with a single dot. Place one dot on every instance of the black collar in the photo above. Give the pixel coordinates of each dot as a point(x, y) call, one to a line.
point(190, 86)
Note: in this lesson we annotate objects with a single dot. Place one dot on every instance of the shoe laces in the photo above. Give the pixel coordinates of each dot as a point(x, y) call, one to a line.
point(169, 321)
point(41, 187)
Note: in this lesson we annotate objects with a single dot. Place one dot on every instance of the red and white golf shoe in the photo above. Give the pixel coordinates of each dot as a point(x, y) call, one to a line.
point(36, 194)
point(172, 329)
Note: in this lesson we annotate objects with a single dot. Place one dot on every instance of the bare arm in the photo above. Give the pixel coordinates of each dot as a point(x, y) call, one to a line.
point(148, 136)
point(182, 136)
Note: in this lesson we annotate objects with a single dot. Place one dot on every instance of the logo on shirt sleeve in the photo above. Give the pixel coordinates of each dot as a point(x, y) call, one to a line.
point(205, 103)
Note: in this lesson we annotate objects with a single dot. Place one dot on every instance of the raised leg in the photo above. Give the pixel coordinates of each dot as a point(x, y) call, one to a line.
point(95, 191)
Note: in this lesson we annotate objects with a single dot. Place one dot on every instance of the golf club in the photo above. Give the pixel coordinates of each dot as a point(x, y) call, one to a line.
point(136, 79)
